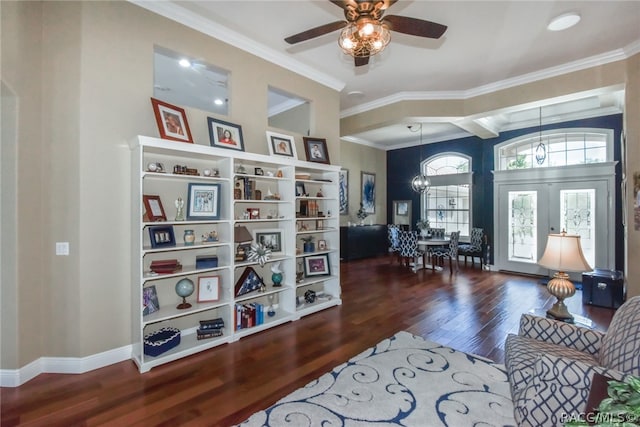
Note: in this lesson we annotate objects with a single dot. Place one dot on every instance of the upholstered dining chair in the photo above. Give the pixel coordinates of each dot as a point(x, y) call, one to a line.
point(409, 250)
point(439, 254)
point(393, 233)
point(474, 247)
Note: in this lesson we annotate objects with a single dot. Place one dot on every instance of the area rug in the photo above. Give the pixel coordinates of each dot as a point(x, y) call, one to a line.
point(405, 381)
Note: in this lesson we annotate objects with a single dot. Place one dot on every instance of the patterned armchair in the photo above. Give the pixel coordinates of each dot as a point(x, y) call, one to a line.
point(474, 247)
point(551, 364)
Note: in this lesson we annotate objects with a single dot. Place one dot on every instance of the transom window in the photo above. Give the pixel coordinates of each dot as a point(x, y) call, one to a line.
point(563, 147)
point(447, 204)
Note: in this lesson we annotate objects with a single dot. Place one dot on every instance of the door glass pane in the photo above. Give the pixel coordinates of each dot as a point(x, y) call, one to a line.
point(578, 217)
point(523, 226)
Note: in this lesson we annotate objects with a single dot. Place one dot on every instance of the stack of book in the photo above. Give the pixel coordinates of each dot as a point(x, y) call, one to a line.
point(249, 315)
point(165, 266)
point(210, 328)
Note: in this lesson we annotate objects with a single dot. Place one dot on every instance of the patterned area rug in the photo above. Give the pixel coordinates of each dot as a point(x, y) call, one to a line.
point(404, 380)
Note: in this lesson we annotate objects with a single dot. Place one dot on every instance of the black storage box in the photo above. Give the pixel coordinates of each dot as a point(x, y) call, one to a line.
point(604, 288)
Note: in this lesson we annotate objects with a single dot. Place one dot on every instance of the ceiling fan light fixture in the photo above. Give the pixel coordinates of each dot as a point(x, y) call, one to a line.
point(564, 21)
point(364, 38)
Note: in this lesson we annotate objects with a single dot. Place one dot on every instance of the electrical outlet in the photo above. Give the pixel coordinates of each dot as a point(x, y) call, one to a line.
point(62, 248)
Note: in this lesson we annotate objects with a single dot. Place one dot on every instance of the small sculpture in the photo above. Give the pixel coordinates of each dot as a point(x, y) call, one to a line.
point(276, 277)
point(179, 209)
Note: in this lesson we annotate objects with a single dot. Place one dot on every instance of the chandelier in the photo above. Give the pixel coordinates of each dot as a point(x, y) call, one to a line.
point(420, 183)
point(364, 38)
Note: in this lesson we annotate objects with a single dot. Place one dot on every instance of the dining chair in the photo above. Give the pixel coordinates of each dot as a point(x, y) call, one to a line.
point(474, 247)
point(393, 234)
point(409, 250)
point(439, 254)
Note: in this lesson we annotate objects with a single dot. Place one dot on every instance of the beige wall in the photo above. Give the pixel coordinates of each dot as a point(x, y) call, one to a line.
point(83, 75)
point(357, 158)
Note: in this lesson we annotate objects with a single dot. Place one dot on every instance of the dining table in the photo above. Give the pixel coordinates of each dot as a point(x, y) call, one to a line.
point(425, 244)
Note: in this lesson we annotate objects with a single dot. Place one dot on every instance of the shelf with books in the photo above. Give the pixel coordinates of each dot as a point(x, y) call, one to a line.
point(175, 225)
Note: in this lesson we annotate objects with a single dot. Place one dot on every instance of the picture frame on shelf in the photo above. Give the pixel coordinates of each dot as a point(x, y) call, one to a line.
point(368, 192)
point(249, 281)
point(208, 288)
point(343, 189)
point(203, 201)
point(225, 134)
point(150, 303)
point(300, 189)
point(172, 121)
point(254, 213)
point(316, 149)
point(154, 211)
point(162, 236)
point(317, 265)
point(272, 238)
point(281, 145)
point(322, 245)
point(258, 171)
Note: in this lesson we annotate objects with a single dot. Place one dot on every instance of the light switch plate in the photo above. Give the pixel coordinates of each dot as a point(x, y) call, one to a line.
point(62, 248)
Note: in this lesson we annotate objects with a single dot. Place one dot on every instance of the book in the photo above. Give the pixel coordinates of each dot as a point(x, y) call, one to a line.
point(210, 333)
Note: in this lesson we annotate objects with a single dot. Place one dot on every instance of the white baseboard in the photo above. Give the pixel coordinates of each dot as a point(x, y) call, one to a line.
point(63, 365)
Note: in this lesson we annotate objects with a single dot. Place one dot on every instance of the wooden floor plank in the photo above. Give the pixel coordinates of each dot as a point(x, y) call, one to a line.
point(472, 310)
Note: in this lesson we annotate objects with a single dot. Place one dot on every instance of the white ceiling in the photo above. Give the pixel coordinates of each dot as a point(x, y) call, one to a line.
point(489, 45)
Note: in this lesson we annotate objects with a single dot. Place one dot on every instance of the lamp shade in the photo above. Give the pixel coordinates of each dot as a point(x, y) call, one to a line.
point(241, 234)
point(564, 253)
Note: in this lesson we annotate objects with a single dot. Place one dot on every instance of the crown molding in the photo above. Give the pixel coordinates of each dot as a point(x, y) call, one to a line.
point(184, 16)
point(593, 61)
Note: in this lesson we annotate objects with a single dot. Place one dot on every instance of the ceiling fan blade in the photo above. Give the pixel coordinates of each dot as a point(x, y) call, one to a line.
point(361, 60)
point(415, 27)
point(315, 32)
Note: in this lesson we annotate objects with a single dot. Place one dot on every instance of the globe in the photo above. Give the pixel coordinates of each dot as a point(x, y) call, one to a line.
point(184, 288)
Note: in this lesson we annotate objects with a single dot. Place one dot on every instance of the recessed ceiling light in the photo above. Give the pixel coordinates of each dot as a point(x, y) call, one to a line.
point(185, 63)
point(356, 94)
point(564, 21)
point(218, 101)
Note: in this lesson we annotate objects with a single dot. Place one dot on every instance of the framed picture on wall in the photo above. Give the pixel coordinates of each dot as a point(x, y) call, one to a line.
point(343, 182)
point(368, 192)
point(172, 121)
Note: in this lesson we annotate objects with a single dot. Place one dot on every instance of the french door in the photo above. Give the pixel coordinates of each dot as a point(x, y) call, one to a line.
point(528, 210)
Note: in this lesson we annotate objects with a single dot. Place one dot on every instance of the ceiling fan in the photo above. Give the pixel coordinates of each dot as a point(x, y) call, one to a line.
point(366, 32)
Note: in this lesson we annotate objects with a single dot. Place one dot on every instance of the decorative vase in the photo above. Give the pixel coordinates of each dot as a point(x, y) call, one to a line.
point(309, 247)
point(276, 278)
point(189, 238)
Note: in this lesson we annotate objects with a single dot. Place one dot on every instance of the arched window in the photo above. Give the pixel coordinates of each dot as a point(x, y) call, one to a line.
point(447, 204)
point(558, 147)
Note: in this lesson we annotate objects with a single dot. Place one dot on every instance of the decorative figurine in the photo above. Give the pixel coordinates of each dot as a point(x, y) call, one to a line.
point(276, 277)
point(179, 209)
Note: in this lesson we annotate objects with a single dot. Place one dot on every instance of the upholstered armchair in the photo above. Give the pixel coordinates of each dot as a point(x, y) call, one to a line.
point(475, 246)
point(551, 364)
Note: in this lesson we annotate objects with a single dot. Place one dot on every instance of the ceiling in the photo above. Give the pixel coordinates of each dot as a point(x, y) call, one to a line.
point(489, 45)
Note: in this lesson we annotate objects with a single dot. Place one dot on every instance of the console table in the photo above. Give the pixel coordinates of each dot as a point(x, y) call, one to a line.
point(363, 241)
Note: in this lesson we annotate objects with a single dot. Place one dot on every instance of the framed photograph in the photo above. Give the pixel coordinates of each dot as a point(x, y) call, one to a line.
point(319, 224)
point(203, 201)
point(368, 192)
point(153, 208)
point(281, 145)
point(254, 213)
point(258, 171)
point(150, 303)
point(271, 238)
point(322, 245)
point(162, 236)
point(343, 183)
point(172, 121)
point(402, 208)
point(208, 288)
point(224, 134)
point(316, 149)
point(249, 281)
point(316, 265)
point(300, 189)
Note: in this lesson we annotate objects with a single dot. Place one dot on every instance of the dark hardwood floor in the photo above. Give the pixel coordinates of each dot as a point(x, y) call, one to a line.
point(472, 311)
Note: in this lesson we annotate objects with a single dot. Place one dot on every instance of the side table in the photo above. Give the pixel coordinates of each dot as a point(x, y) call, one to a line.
point(585, 322)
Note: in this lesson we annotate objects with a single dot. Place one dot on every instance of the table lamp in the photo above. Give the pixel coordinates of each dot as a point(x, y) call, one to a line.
point(563, 253)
